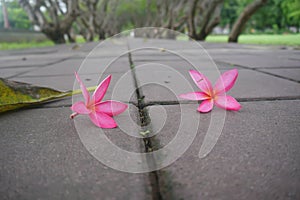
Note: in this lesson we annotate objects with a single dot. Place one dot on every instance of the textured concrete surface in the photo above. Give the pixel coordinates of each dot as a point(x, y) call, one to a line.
point(42, 158)
point(258, 61)
point(292, 74)
point(256, 156)
point(158, 83)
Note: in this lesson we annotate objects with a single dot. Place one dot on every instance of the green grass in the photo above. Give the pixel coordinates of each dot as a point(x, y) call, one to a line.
point(32, 44)
point(24, 45)
point(288, 40)
point(284, 39)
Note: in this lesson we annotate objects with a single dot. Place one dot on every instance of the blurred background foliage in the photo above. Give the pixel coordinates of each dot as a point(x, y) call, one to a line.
point(64, 21)
point(277, 16)
point(17, 17)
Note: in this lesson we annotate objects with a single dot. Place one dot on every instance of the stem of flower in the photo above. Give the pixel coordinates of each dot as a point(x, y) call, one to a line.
point(73, 115)
point(79, 91)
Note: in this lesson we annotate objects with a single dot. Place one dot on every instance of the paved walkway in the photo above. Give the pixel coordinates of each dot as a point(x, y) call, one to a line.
point(256, 156)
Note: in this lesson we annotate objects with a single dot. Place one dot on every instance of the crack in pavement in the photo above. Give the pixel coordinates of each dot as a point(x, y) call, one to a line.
point(145, 121)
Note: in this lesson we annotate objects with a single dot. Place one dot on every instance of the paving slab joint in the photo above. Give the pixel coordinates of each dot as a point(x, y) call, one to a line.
point(264, 72)
point(251, 99)
point(145, 123)
point(41, 66)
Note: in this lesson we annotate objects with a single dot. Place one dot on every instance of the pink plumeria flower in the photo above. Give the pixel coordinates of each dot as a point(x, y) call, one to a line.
point(99, 112)
point(214, 95)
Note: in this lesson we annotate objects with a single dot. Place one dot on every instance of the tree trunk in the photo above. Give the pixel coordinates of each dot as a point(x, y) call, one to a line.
point(203, 15)
point(56, 36)
point(71, 36)
point(5, 15)
point(243, 19)
point(191, 19)
point(211, 19)
point(101, 35)
point(212, 25)
point(53, 22)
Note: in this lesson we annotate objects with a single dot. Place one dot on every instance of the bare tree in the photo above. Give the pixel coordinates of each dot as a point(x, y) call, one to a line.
point(108, 20)
point(98, 17)
point(53, 17)
point(5, 15)
point(108, 17)
point(171, 13)
point(240, 23)
point(203, 16)
point(199, 16)
point(101, 19)
point(88, 9)
point(167, 14)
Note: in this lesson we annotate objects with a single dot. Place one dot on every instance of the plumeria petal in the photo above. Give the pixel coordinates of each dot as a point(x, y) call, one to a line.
point(226, 81)
point(111, 108)
point(227, 102)
point(206, 106)
point(195, 96)
point(85, 93)
point(102, 120)
point(201, 81)
point(80, 107)
point(101, 90)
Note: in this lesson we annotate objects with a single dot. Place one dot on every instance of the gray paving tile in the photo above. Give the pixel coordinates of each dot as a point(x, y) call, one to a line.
point(10, 72)
point(258, 61)
point(67, 67)
point(85, 66)
point(61, 76)
point(44, 56)
point(288, 73)
point(26, 58)
point(135, 43)
point(256, 156)
point(63, 82)
point(42, 157)
point(121, 87)
point(183, 65)
point(251, 84)
point(168, 45)
point(161, 85)
point(166, 85)
point(36, 51)
point(178, 61)
point(232, 46)
point(25, 62)
point(87, 47)
point(166, 50)
point(112, 47)
point(119, 64)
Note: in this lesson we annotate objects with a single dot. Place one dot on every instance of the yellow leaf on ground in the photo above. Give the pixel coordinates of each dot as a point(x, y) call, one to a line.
point(15, 95)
